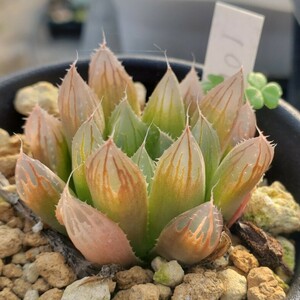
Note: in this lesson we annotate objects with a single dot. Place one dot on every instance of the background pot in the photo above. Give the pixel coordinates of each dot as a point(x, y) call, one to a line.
point(282, 125)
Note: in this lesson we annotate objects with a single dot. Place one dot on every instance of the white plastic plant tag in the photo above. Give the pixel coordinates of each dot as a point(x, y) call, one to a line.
point(233, 41)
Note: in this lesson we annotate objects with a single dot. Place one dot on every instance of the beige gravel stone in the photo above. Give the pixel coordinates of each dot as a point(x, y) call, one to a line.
point(12, 271)
point(1, 266)
point(30, 272)
point(52, 294)
point(51, 266)
point(19, 258)
point(7, 213)
point(88, 288)
point(5, 282)
point(242, 259)
point(20, 287)
point(258, 275)
point(7, 294)
point(34, 239)
point(31, 295)
point(203, 285)
point(234, 283)
point(263, 285)
point(165, 292)
point(136, 275)
point(8, 164)
point(10, 241)
point(15, 222)
point(146, 291)
point(32, 253)
point(41, 285)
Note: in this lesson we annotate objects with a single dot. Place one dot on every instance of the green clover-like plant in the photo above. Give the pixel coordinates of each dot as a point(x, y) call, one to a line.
point(124, 182)
point(259, 91)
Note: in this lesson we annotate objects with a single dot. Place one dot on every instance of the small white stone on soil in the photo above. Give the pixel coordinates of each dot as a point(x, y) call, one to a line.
point(169, 274)
point(88, 288)
point(31, 295)
point(10, 241)
point(234, 283)
point(52, 267)
point(135, 275)
point(147, 291)
point(157, 262)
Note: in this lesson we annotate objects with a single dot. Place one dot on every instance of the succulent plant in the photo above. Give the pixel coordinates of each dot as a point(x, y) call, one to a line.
point(126, 180)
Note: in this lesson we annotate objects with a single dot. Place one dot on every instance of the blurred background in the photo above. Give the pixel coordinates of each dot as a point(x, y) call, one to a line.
point(38, 32)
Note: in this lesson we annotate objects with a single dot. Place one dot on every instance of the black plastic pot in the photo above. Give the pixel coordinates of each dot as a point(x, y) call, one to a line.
point(282, 125)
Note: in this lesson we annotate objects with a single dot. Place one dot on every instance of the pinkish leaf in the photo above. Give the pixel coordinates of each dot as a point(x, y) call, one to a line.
point(118, 188)
point(77, 102)
point(239, 172)
point(221, 106)
point(45, 136)
point(39, 188)
point(245, 126)
point(191, 91)
point(108, 78)
point(192, 236)
point(178, 183)
point(98, 238)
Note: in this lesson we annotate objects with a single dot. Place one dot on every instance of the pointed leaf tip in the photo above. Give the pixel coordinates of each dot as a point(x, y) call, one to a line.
point(221, 106)
point(240, 171)
point(39, 188)
point(165, 107)
point(118, 189)
point(98, 238)
point(77, 102)
point(192, 236)
point(179, 180)
point(109, 79)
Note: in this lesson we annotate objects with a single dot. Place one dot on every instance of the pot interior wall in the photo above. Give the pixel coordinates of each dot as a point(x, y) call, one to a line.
point(282, 125)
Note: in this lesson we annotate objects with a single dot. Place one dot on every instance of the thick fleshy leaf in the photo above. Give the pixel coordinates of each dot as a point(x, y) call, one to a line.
point(221, 106)
point(118, 189)
point(126, 129)
point(87, 139)
point(76, 103)
point(209, 143)
point(178, 183)
point(108, 78)
point(145, 163)
point(239, 172)
point(98, 238)
point(165, 107)
point(45, 136)
point(191, 91)
point(157, 142)
point(39, 188)
point(192, 236)
point(245, 126)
